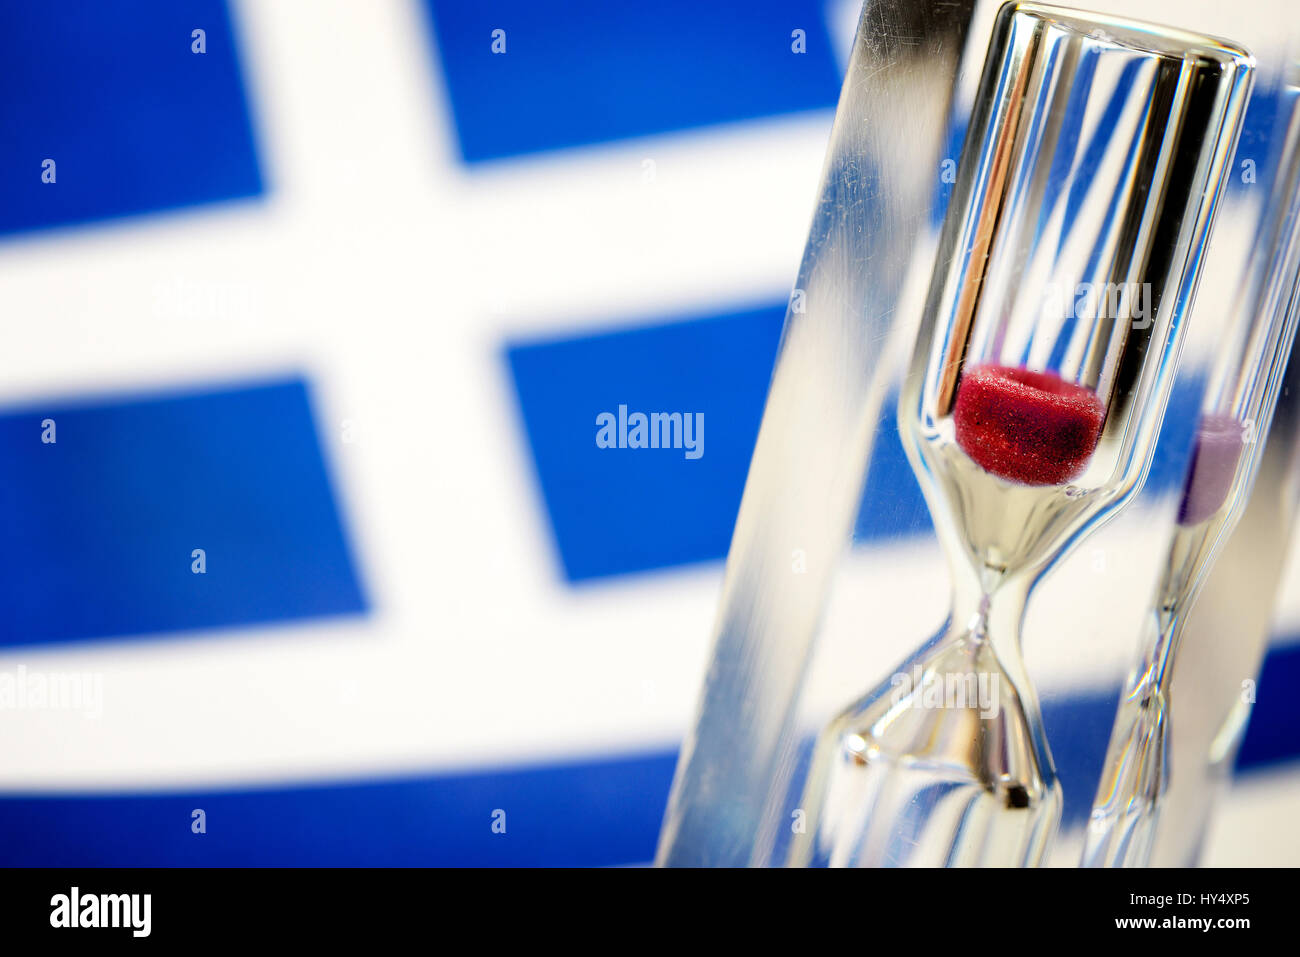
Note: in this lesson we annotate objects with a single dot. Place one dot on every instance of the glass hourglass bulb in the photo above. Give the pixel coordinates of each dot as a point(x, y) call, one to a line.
point(1095, 156)
point(1236, 415)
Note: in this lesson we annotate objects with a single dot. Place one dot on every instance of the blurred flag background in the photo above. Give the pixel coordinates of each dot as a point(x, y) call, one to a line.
point(311, 308)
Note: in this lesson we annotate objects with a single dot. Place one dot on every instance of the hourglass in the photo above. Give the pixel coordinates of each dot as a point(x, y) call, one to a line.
point(1094, 159)
point(1236, 413)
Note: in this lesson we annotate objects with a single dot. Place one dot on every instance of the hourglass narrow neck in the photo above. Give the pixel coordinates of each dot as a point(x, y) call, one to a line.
point(1189, 557)
point(989, 606)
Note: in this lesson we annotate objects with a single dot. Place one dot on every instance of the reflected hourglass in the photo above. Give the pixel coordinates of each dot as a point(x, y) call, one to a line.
point(1096, 153)
point(1236, 413)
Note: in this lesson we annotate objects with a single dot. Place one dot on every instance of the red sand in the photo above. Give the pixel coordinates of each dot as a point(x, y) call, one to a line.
point(1030, 427)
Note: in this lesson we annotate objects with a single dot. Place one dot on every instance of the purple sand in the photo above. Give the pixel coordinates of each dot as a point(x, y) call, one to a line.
point(1214, 465)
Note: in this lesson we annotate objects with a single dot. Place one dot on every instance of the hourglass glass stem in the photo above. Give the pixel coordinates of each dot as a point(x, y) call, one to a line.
point(945, 763)
point(1136, 774)
point(988, 598)
point(991, 606)
point(995, 734)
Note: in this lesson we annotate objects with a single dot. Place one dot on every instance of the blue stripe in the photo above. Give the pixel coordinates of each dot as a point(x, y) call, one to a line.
point(581, 814)
point(622, 510)
point(591, 813)
point(134, 121)
point(103, 522)
point(590, 71)
point(1274, 733)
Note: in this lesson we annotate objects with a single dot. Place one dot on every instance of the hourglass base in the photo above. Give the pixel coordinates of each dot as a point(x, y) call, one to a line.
point(937, 769)
point(1123, 823)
